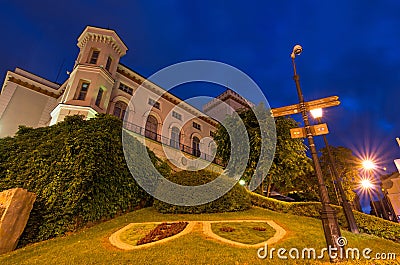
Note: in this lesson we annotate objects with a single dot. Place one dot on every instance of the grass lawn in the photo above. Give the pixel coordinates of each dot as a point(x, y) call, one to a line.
point(91, 246)
point(244, 232)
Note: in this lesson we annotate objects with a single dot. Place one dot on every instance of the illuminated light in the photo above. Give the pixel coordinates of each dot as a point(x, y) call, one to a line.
point(366, 184)
point(368, 164)
point(242, 182)
point(316, 113)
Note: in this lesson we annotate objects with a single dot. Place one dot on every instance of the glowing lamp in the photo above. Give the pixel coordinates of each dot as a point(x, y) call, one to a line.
point(368, 164)
point(316, 113)
point(366, 184)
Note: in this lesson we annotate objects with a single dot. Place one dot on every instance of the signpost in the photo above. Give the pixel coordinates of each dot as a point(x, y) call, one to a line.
point(310, 105)
point(319, 129)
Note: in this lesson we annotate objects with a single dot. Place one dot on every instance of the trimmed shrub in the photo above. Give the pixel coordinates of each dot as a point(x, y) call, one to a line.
point(77, 170)
point(237, 199)
point(366, 223)
point(376, 226)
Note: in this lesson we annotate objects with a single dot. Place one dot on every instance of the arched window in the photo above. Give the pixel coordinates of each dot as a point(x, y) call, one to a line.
point(151, 128)
point(175, 136)
point(120, 109)
point(196, 147)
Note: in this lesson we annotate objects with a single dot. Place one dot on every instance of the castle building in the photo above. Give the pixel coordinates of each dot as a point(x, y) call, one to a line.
point(391, 192)
point(233, 102)
point(99, 83)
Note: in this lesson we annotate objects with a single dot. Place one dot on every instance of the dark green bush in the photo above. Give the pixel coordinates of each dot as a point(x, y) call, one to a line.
point(377, 226)
point(366, 223)
point(77, 170)
point(237, 199)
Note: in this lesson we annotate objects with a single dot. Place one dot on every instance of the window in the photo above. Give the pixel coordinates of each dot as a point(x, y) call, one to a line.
point(176, 115)
point(120, 109)
point(174, 141)
point(196, 147)
point(212, 134)
point(94, 57)
point(154, 103)
point(108, 64)
point(99, 96)
point(126, 88)
point(197, 126)
point(83, 91)
point(151, 128)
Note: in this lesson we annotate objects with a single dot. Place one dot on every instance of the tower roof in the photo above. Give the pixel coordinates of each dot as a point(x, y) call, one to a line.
point(102, 35)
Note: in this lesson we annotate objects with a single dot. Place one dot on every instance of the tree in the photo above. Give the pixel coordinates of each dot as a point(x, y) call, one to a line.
point(347, 167)
point(290, 168)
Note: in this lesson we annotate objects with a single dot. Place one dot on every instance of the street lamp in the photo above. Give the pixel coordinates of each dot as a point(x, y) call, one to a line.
point(367, 185)
point(328, 214)
point(317, 114)
point(368, 166)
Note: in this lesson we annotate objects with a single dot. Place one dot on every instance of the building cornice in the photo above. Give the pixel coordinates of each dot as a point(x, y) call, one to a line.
point(104, 36)
point(32, 86)
point(228, 94)
point(94, 69)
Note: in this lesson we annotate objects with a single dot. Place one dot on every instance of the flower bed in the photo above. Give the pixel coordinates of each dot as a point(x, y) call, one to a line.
point(162, 231)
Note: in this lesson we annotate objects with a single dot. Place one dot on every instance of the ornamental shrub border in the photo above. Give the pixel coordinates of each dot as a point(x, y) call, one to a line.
point(366, 223)
point(237, 199)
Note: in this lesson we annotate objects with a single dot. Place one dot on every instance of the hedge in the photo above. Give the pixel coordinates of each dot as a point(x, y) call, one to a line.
point(366, 223)
point(237, 199)
point(77, 170)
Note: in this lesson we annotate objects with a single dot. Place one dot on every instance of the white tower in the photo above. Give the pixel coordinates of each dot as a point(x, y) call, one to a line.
point(89, 86)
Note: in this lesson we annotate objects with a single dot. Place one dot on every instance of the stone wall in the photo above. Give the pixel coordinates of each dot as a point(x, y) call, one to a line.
point(15, 207)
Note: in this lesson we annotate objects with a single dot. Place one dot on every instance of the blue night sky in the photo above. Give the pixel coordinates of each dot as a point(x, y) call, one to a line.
point(351, 49)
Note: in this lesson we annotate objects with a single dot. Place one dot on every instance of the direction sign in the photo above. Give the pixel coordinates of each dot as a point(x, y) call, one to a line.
point(287, 110)
point(316, 130)
point(314, 104)
point(298, 133)
point(321, 101)
point(319, 129)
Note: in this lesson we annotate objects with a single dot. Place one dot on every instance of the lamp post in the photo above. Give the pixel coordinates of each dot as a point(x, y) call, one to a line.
point(368, 166)
point(351, 221)
point(328, 214)
point(367, 185)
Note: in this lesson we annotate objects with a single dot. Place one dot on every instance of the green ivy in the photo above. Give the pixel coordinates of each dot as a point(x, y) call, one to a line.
point(77, 170)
